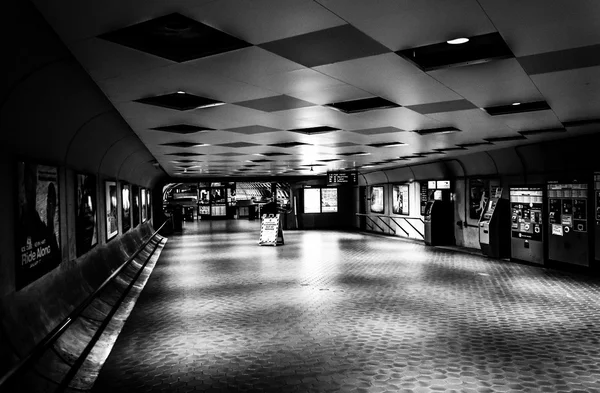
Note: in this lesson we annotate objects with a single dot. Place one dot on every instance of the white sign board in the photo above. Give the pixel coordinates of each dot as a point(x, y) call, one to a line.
point(271, 233)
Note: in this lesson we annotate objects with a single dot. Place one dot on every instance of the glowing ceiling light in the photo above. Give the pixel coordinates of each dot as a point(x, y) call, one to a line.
point(516, 103)
point(181, 92)
point(458, 41)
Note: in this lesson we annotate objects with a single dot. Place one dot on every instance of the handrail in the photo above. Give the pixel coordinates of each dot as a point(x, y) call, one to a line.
point(393, 218)
point(51, 337)
point(386, 224)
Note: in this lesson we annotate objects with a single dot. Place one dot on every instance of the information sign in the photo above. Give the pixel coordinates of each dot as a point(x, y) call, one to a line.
point(271, 233)
point(342, 177)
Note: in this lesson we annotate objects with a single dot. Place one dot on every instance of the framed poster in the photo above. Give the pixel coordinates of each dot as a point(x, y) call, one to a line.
point(329, 200)
point(144, 207)
point(377, 199)
point(148, 205)
point(135, 205)
point(112, 220)
point(312, 200)
point(126, 206)
point(477, 198)
point(86, 221)
point(400, 199)
point(38, 222)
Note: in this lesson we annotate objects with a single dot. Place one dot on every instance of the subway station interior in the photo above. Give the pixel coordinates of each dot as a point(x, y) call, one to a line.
point(300, 196)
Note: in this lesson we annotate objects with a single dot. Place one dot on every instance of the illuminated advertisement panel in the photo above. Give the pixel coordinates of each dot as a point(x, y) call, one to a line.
point(86, 224)
point(312, 200)
point(377, 199)
point(329, 200)
point(400, 199)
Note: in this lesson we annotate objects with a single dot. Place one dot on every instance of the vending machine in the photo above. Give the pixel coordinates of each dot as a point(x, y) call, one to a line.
point(568, 239)
point(494, 225)
point(527, 236)
point(439, 214)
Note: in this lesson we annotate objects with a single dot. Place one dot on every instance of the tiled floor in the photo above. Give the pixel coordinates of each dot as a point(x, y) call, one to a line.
point(332, 311)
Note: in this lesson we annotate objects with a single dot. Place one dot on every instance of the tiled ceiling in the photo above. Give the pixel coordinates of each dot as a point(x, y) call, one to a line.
point(199, 81)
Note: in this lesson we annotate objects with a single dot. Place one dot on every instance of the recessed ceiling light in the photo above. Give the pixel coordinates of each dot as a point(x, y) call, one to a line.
point(458, 41)
point(367, 166)
point(364, 154)
point(516, 103)
point(181, 92)
point(258, 154)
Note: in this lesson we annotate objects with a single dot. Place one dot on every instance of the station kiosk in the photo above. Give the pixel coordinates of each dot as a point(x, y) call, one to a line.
point(439, 215)
point(568, 239)
point(494, 225)
point(527, 236)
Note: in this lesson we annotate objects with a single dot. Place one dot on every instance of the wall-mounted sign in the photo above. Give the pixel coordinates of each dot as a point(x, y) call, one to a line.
point(112, 220)
point(400, 199)
point(86, 224)
point(342, 177)
point(38, 224)
point(431, 184)
point(443, 184)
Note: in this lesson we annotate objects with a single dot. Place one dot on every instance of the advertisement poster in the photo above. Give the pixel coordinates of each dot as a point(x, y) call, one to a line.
point(400, 199)
point(112, 224)
point(148, 205)
point(38, 225)
point(477, 198)
point(86, 222)
point(329, 200)
point(126, 206)
point(312, 200)
point(144, 201)
point(135, 205)
point(377, 199)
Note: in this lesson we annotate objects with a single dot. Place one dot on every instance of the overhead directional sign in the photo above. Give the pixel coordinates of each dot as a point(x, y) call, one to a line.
point(342, 177)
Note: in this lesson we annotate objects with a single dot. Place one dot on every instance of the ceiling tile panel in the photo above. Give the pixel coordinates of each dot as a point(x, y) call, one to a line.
point(326, 46)
point(489, 84)
point(259, 21)
point(408, 24)
point(180, 77)
point(251, 130)
point(447, 106)
point(573, 94)
point(391, 77)
point(538, 26)
point(339, 92)
point(304, 80)
point(275, 103)
point(568, 59)
point(376, 131)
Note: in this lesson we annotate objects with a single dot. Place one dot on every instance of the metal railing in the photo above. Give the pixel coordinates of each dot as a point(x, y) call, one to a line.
point(50, 339)
point(394, 219)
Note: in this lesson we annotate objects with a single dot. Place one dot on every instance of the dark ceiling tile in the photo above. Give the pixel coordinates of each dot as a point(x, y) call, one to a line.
point(479, 49)
point(474, 144)
point(376, 131)
point(261, 160)
point(273, 154)
point(175, 37)
point(387, 144)
point(354, 153)
point(517, 108)
point(314, 130)
point(275, 104)
point(569, 59)
point(238, 144)
point(182, 129)
point(289, 144)
point(362, 105)
point(330, 160)
point(326, 46)
point(249, 130)
point(179, 101)
point(440, 130)
point(445, 106)
point(229, 154)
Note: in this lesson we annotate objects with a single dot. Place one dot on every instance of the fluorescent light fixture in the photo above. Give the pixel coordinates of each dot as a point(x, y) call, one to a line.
point(458, 41)
point(181, 92)
point(516, 103)
point(210, 105)
point(367, 166)
point(258, 154)
point(364, 154)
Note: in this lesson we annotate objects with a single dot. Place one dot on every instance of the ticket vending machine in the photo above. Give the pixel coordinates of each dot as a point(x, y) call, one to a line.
point(568, 239)
point(494, 225)
point(439, 215)
point(527, 236)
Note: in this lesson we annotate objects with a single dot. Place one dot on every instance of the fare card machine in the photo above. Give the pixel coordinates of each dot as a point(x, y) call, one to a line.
point(494, 235)
point(568, 239)
point(439, 215)
point(527, 237)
